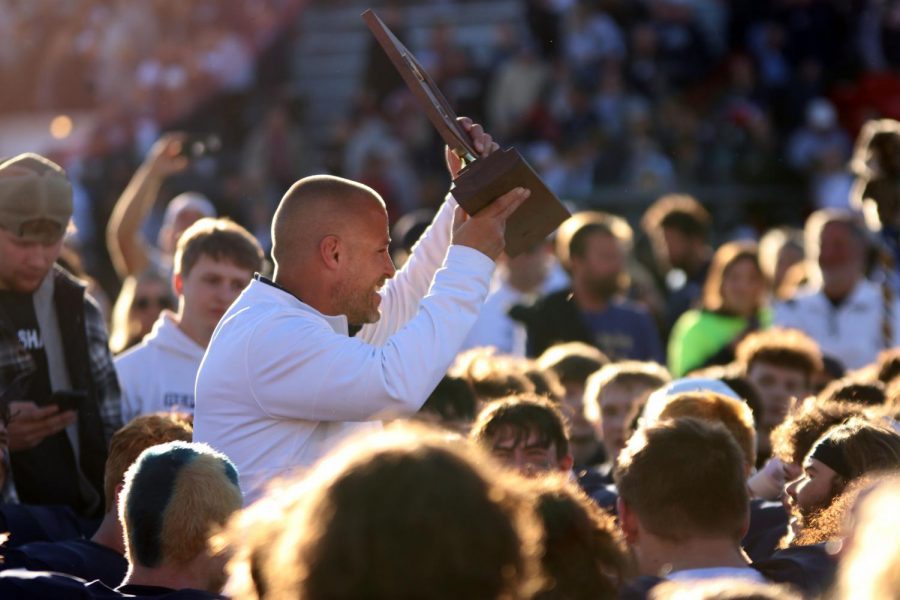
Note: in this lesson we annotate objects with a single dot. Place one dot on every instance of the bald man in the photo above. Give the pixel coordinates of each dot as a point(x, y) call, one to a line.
point(283, 381)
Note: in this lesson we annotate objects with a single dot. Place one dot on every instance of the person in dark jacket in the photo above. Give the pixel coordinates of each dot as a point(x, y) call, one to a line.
point(55, 365)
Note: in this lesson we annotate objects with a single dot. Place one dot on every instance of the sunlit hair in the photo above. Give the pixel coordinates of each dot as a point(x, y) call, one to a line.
point(888, 365)
point(639, 377)
point(871, 393)
point(716, 408)
point(832, 522)
point(793, 438)
point(125, 328)
point(730, 588)
point(573, 362)
point(175, 494)
point(524, 414)
point(221, 240)
point(572, 235)
point(864, 445)
point(816, 223)
point(402, 513)
point(677, 211)
point(546, 382)
point(871, 566)
point(771, 245)
point(585, 556)
point(684, 478)
point(781, 347)
point(723, 260)
point(136, 436)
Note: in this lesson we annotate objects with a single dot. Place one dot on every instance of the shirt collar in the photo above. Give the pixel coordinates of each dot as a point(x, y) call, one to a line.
point(337, 322)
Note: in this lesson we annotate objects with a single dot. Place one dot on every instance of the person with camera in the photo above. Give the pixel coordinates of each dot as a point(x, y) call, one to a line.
point(56, 371)
point(130, 251)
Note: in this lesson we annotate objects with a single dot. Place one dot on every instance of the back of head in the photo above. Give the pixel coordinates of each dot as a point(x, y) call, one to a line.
point(680, 212)
point(584, 553)
point(313, 207)
point(717, 408)
point(136, 436)
point(572, 362)
point(220, 240)
point(792, 440)
point(684, 479)
point(174, 495)
point(405, 515)
point(857, 447)
point(785, 348)
point(849, 390)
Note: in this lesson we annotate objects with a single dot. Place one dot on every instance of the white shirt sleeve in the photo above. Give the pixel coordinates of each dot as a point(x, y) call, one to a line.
point(403, 293)
point(332, 377)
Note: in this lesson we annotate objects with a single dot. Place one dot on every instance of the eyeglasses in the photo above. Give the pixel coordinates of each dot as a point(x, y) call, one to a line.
point(144, 302)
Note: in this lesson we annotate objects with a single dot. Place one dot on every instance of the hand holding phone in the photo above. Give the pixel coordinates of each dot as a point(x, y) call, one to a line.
point(68, 399)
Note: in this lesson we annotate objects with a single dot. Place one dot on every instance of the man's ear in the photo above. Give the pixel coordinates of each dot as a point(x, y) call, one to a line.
point(566, 463)
point(331, 251)
point(627, 521)
point(178, 284)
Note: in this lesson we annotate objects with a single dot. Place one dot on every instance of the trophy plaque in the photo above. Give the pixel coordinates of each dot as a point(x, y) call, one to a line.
point(482, 179)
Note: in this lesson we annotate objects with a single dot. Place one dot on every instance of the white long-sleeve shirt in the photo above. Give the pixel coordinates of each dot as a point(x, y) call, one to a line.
point(850, 332)
point(282, 384)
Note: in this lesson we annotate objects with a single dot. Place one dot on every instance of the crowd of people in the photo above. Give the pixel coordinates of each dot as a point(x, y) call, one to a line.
point(332, 396)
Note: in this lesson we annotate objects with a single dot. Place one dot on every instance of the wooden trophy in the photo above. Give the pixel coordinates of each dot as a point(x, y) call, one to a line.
point(481, 180)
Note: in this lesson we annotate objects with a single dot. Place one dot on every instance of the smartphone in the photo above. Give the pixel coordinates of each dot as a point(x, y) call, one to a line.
point(200, 145)
point(68, 399)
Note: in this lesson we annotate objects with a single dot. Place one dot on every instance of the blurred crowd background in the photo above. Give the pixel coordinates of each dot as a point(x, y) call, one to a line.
point(752, 106)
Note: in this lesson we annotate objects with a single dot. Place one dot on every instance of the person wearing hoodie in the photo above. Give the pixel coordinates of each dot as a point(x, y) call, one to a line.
point(214, 261)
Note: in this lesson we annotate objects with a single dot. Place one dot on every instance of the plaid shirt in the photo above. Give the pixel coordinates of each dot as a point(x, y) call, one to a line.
point(16, 362)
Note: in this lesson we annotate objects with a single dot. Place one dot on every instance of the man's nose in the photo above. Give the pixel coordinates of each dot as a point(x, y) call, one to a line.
point(389, 268)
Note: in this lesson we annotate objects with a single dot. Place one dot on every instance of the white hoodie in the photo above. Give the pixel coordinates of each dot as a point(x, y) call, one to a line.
point(159, 373)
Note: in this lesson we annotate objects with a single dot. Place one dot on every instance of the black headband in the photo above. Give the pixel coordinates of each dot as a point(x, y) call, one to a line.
point(829, 453)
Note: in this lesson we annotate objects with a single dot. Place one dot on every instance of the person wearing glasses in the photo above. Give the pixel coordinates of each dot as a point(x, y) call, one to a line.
point(214, 261)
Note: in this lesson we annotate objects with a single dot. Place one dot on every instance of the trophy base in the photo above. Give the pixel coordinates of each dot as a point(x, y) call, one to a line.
point(482, 181)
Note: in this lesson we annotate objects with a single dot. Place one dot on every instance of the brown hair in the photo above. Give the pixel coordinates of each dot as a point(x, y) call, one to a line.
point(525, 413)
point(572, 362)
point(849, 390)
point(716, 408)
point(220, 239)
point(585, 556)
point(866, 446)
point(136, 436)
point(681, 212)
point(572, 236)
point(787, 348)
point(793, 438)
point(627, 373)
point(684, 478)
point(398, 514)
point(723, 260)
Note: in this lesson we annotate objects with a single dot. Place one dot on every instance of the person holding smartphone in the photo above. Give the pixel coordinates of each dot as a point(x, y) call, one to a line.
point(52, 340)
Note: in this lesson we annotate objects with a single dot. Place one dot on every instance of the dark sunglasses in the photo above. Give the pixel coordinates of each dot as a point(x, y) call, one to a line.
point(143, 302)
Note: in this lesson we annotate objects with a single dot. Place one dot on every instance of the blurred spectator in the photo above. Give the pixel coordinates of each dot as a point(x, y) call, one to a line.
point(779, 250)
point(130, 252)
point(140, 302)
point(678, 228)
point(593, 248)
point(733, 304)
point(849, 316)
